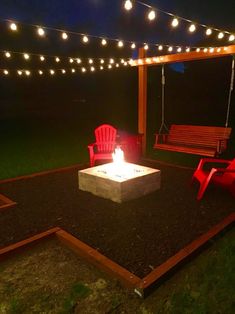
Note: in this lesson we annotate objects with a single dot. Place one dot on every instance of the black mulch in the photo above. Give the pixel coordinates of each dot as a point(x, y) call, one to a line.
point(138, 234)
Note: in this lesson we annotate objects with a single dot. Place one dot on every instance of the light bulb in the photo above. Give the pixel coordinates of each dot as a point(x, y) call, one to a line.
point(102, 61)
point(187, 49)
point(151, 15)
point(79, 60)
point(175, 22)
point(41, 31)
point(111, 61)
point(90, 61)
point(57, 59)
point(110, 66)
point(220, 35)
point(160, 47)
point(146, 47)
point(64, 36)
point(71, 60)
point(73, 70)
point(192, 28)
point(140, 61)
point(128, 5)
point(133, 46)
point(85, 39)
point(103, 42)
point(170, 49)
point(125, 63)
point(179, 49)
point(117, 65)
point(120, 44)
point(101, 67)
point(219, 49)
point(208, 31)
point(13, 26)
point(52, 72)
point(148, 60)
point(7, 54)
point(198, 50)
point(231, 37)
point(63, 71)
point(92, 69)
point(211, 50)
point(42, 58)
point(205, 49)
point(26, 56)
point(122, 60)
point(6, 72)
point(83, 70)
point(19, 72)
point(40, 72)
point(27, 72)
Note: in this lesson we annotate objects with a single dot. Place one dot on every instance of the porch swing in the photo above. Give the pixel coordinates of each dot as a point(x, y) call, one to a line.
point(192, 139)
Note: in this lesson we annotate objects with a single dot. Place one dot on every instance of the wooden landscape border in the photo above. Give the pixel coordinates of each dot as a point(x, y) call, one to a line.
point(141, 286)
point(7, 202)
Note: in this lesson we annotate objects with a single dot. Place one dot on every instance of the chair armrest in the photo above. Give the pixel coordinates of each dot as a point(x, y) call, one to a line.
point(203, 161)
point(225, 170)
point(161, 138)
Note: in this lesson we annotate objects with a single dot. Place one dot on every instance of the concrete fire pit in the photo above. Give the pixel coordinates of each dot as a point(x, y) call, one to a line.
point(128, 182)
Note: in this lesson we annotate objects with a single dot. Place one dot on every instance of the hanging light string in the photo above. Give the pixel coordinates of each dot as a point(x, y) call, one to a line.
point(85, 38)
point(152, 14)
point(57, 58)
point(63, 71)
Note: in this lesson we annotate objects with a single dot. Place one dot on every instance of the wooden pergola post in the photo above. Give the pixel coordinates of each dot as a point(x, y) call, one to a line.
point(142, 100)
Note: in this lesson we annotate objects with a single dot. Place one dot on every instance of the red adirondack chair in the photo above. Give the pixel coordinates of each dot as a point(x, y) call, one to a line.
point(105, 136)
point(224, 177)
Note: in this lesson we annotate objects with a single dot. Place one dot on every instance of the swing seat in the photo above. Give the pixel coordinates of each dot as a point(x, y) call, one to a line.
point(191, 139)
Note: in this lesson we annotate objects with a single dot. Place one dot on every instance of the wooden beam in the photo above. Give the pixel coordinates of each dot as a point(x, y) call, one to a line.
point(183, 57)
point(142, 101)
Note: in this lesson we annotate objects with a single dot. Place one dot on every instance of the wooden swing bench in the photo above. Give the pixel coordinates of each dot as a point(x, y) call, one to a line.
point(200, 140)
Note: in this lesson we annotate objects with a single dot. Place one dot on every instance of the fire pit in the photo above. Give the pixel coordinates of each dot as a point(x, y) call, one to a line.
point(119, 181)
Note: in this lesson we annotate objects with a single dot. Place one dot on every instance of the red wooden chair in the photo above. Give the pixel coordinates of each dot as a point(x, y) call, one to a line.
point(224, 177)
point(105, 136)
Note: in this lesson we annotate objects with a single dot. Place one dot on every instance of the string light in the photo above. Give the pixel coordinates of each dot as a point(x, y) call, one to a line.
point(26, 56)
point(102, 61)
point(101, 67)
point(90, 61)
point(64, 36)
point(198, 50)
point(7, 54)
point(110, 66)
point(42, 58)
point(13, 27)
point(79, 60)
point(6, 72)
point(133, 46)
point(208, 31)
point(19, 72)
point(27, 72)
point(85, 39)
point(40, 72)
point(175, 22)
point(221, 35)
point(151, 15)
point(188, 49)
point(70, 60)
point(146, 47)
point(205, 49)
point(219, 49)
point(92, 69)
point(111, 61)
point(179, 49)
point(41, 31)
point(83, 70)
point(231, 38)
point(120, 44)
point(211, 50)
point(192, 28)
point(128, 5)
point(63, 71)
point(117, 65)
point(73, 70)
point(160, 47)
point(57, 59)
point(52, 72)
point(103, 42)
point(170, 49)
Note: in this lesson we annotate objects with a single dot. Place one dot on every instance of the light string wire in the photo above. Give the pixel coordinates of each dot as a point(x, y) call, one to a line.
point(182, 18)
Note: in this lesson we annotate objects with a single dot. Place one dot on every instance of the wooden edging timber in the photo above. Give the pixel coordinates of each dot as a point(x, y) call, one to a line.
point(43, 173)
point(14, 248)
point(6, 202)
point(159, 273)
point(143, 286)
point(127, 278)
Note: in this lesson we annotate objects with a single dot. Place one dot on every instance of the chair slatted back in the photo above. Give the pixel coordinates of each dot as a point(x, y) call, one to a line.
point(105, 136)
